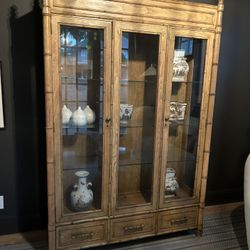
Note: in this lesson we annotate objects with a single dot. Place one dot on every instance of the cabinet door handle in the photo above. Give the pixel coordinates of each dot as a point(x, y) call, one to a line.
point(107, 121)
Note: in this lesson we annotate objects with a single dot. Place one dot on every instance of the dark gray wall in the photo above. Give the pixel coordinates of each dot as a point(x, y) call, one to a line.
point(231, 131)
point(22, 143)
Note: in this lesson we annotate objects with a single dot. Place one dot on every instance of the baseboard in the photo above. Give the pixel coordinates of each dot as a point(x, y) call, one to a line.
point(19, 238)
point(223, 208)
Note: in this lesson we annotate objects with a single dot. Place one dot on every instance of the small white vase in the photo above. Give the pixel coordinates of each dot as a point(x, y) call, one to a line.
point(247, 197)
point(66, 115)
point(79, 117)
point(90, 115)
point(81, 197)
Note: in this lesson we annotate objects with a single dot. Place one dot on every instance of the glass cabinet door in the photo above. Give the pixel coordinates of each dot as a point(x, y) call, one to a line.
point(138, 85)
point(83, 110)
point(184, 116)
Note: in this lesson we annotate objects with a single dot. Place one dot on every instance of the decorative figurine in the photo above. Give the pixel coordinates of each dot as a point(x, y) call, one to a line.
point(177, 111)
point(126, 111)
point(171, 184)
point(180, 66)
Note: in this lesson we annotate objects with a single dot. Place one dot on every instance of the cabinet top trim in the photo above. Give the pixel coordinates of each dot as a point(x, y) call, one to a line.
point(203, 15)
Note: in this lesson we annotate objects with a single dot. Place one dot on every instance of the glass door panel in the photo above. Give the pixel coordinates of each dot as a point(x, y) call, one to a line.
point(82, 66)
point(138, 86)
point(185, 107)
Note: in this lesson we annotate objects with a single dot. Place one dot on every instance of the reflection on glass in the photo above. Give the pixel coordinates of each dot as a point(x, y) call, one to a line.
point(81, 53)
point(185, 106)
point(138, 85)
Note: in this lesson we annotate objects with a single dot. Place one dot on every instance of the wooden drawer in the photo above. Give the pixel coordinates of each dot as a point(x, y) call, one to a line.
point(81, 235)
point(177, 219)
point(132, 227)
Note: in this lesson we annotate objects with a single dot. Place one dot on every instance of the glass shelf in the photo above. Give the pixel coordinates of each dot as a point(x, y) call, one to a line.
point(85, 130)
point(73, 46)
point(78, 127)
point(123, 82)
point(79, 81)
point(135, 125)
point(126, 164)
point(187, 82)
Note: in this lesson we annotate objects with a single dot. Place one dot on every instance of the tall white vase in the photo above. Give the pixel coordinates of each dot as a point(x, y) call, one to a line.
point(247, 197)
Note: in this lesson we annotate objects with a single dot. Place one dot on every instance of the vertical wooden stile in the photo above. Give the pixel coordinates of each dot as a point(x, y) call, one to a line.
point(206, 153)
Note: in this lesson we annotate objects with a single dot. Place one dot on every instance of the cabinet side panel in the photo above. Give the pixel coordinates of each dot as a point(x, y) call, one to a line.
point(210, 111)
point(49, 124)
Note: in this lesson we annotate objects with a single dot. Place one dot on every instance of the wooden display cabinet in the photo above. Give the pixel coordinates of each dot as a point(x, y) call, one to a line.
point(130, 90)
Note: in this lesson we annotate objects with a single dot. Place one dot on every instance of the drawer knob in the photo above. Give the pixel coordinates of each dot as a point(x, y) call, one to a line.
point(179, 221)
point(82, 236)
point(133, 229)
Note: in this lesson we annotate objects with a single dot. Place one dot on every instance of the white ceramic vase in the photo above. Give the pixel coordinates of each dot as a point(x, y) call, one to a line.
point(66, 115)
point(81, 197)
point(79, 117)
point(90, 115)
point(247, 197)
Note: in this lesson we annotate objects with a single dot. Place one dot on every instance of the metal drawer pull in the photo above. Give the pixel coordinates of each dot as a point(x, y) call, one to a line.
point(133, 229)
point(84, 236)
point(179, 221)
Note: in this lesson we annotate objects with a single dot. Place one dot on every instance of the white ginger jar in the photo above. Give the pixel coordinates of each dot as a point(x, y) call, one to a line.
point(79, 117)
point(66, 115)
point(90, 115)
point(81, 197)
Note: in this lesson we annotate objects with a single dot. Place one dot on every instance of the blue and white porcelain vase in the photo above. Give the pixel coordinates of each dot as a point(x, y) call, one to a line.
point(82, 196)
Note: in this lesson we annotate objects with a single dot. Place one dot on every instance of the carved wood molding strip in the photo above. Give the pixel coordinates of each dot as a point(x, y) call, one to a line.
point(146, 9)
